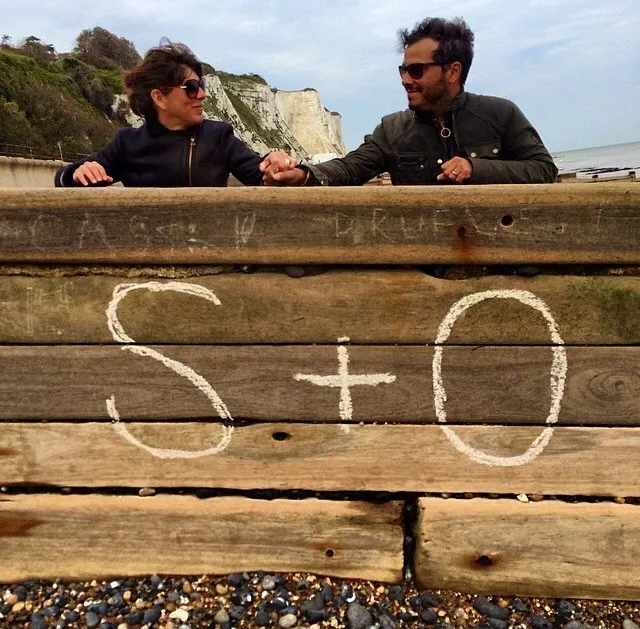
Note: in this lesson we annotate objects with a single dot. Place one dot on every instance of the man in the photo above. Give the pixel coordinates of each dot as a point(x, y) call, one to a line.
point(446, 135)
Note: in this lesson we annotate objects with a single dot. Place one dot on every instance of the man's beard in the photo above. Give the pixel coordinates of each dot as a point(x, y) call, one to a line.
point(436, 95)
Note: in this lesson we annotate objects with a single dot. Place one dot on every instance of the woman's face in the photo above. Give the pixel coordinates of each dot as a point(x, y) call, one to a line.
point(175, 109)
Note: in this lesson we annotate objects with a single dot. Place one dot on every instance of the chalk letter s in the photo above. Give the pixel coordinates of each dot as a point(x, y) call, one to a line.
point(118, 333)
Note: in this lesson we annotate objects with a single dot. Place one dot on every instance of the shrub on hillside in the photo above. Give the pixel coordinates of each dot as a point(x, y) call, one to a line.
point(102, 49)
point(97, 86)
point(52, 105)
point(16, 130)
point(35, 48)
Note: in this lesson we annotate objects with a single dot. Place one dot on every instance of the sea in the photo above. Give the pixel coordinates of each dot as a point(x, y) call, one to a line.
point(599, 159)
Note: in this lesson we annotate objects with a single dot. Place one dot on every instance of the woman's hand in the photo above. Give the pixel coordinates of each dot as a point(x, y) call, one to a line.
point(91, 172)
point(275, 163)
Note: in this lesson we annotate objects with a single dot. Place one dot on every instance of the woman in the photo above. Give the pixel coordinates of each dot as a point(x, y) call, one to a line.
point(175, 146)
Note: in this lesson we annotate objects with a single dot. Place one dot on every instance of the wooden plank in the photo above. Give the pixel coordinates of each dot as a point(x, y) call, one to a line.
point(536, 549)
point(93, 537)
point(576, 461)
point(370, 225)
point(393, 306)
point(302, 383)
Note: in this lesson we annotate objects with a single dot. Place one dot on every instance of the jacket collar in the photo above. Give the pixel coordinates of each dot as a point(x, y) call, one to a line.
point(157, 129)
point(457, 103)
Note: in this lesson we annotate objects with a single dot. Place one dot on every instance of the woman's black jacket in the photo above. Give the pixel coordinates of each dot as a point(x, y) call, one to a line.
point(154, 156)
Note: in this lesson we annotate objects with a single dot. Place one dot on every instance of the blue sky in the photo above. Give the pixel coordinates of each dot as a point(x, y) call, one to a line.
point(572, 66)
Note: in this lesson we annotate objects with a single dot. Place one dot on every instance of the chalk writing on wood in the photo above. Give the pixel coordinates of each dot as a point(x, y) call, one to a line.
point(558, 376)
point(542, 225)
point(118, 333)
point(343, 380)
point(92, 232)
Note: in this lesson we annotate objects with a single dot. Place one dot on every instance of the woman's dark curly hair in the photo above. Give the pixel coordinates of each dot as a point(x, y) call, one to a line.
point(162, 67)
point(455, 37)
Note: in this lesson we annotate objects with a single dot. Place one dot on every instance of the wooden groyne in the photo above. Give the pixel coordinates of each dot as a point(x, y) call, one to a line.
point(293, 375)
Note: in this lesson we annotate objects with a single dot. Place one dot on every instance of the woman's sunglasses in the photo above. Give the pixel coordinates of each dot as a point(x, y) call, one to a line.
point(416, 70)
point(191, 87)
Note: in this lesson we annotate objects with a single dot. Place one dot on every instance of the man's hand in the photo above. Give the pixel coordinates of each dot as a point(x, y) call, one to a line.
point(91, 172)
point(456, 170)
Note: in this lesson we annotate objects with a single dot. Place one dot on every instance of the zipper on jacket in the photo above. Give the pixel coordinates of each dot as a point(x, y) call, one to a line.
point(192, 146)
point(444, 133)
point(455, 134)
point(449, 136)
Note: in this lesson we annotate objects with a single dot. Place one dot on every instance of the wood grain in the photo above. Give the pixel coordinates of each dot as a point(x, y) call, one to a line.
point(370, 225)
point(368, 306)
point(577, 461)
point(483, 384)
point(537, 549)
point(93, 537)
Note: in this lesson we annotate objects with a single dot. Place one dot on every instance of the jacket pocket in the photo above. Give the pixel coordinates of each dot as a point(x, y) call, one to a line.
point(486, 150)
point(413, 169)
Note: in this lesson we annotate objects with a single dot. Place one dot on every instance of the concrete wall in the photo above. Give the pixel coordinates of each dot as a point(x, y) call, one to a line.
point(18, 172)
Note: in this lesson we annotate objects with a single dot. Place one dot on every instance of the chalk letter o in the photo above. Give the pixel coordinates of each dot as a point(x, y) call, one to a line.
point(558, 376)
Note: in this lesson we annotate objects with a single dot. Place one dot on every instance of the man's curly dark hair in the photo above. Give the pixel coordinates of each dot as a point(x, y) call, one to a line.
point(455, 37)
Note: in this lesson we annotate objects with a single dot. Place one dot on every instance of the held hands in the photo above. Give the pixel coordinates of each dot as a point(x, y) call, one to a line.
point(279, 169)
point(91, 172)
point(456, 170)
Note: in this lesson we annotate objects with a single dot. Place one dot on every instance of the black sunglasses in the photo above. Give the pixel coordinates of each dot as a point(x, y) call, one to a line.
point(416, 70)
point(191, 87)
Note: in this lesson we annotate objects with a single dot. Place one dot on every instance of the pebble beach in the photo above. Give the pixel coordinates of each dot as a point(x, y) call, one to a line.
point(286, 601)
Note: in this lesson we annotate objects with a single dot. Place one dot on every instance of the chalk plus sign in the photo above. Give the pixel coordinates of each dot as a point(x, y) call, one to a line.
point(344, 381)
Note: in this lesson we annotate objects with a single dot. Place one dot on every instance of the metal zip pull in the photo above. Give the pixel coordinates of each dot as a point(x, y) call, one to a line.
point(445, 132)
point(192, 144)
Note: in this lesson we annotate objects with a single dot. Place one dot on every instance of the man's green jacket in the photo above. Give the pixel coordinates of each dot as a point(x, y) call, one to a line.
point(492, 133)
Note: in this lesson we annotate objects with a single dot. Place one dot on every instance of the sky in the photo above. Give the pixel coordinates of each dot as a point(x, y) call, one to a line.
point(572, 66)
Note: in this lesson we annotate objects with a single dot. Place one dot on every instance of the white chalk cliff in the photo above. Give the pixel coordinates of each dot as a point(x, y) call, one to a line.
point(267, 118)
point(316, 128)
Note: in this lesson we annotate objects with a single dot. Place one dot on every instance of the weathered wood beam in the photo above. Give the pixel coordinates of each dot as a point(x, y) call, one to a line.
point(93, 537)
point(372, 225)
point(537, 549)
point(572, 461)
point(368, 306)
point(511, 385)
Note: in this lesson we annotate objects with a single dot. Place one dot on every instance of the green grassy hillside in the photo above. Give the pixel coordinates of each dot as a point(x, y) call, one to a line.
point(50, 99)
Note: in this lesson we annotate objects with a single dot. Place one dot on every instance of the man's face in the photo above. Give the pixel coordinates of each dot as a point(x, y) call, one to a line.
point(431, 90)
